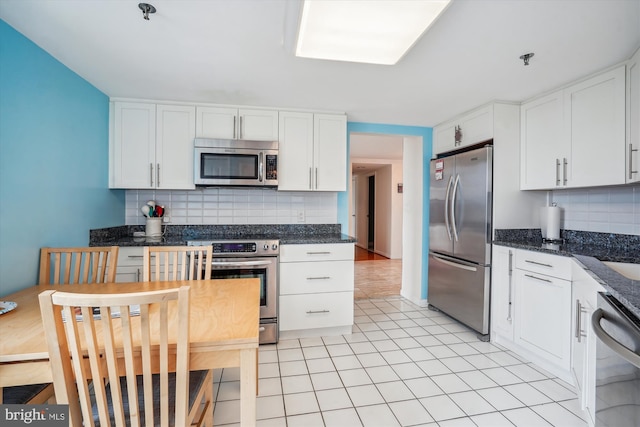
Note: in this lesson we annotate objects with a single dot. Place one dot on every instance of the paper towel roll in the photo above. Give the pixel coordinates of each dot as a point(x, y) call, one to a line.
point(550, 222)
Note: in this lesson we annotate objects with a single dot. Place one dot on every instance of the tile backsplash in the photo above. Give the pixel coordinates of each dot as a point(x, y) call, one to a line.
point(235, 206)
point(604, 210)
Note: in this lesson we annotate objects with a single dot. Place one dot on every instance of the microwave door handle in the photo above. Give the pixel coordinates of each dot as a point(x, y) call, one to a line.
point(260, 165)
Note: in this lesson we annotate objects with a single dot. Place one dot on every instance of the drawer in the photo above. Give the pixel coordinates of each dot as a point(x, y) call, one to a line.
point(317, 252)
point(316, 311)
point(316, 277)
point(130, 255)
point(542, 263)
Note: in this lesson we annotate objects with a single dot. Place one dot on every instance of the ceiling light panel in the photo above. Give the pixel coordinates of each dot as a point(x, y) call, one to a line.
point(370, 31)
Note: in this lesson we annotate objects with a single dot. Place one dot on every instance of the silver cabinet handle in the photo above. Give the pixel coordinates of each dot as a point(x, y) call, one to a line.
point(579, 332)
point(158, 175)
point(631, 151)
point(234, 127)
point(446, 207)
point(608, 340)
point(316, 178)
point(310, 178)
point(151, 173)
point(319, 278)
point(510, 285)
point(557, 171)
point(138, 275)
point(319, 253)
point(564, 170)
point(538, 278)
point(240, 128)
point(538, 263)
point(317, 311)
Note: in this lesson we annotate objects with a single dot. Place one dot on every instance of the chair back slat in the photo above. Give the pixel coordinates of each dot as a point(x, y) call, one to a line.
point(163, 263)
point(78, 265)
point(92, 350)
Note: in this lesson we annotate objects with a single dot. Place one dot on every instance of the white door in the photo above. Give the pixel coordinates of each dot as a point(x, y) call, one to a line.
point(174, 146)
point(295, 155)
point(330, 152)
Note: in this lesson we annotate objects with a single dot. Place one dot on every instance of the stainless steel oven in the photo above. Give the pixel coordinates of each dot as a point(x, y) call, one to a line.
point(233, 259)
point(617, 364)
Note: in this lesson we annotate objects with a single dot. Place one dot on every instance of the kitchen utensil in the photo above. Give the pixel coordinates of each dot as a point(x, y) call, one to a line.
point(146, 210)
point(159, 210)
point(151, 203)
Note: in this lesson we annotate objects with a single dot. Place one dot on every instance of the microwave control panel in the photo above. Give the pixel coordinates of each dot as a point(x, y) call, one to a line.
point(271, 168)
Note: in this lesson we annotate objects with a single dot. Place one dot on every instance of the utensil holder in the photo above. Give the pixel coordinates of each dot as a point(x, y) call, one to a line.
point(153, 227)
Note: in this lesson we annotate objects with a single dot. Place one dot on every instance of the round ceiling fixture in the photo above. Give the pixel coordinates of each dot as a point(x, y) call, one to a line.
point(146, 9)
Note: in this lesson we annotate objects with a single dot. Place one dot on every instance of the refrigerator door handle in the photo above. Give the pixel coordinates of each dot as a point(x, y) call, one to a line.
point(453, 264)
point(446, 207)
point(454, 193)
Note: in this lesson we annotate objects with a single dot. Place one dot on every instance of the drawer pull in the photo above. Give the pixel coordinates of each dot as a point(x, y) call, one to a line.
point(317, 311)
point(139, 256)
point(539, 278)
point(319, 278)
point(262, 329)
point(318, 253)
point(538, 263)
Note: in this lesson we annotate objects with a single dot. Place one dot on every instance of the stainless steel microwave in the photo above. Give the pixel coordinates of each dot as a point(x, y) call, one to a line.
point(230, 162)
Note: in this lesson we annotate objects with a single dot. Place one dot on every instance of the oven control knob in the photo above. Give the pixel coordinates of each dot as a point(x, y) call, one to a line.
point(274, 246)
point(265, 247)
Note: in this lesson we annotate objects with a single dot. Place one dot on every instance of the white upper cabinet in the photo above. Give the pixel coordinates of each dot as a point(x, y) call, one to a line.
point(312, 152)
point(234, 123)
point(633, 119)
point(330, 152)
point(151, 146)
point(468, 129)
point(542, 143)
point(575, 137)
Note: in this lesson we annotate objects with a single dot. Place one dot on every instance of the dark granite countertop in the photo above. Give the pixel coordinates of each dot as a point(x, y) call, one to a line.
point(178, 235)
point(590, 250)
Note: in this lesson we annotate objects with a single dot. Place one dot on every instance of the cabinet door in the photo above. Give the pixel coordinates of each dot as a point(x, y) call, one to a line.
point(174, 146)
point(476, 126)
point(542, 144)
point(216, 122)
point(443, 138)
point(502, 291)
point(330, 152)
point(543, 317)
point(295, 155)
point(595, 119)
point(633, 119)
point(133, 145)
point(258, 125)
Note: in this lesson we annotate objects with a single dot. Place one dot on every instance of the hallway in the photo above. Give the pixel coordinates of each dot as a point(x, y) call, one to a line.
point(376, 276)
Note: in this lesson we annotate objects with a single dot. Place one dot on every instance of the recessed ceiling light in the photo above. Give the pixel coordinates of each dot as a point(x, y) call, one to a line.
point(375, 32)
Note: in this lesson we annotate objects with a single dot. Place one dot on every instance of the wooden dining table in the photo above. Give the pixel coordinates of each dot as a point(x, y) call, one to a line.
point(223, 331)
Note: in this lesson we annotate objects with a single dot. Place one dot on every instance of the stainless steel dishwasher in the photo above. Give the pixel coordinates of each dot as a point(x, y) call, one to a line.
point(617, 364)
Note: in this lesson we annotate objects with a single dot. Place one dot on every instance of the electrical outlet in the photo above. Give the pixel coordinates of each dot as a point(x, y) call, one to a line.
point(166, 219)
point(300, 215)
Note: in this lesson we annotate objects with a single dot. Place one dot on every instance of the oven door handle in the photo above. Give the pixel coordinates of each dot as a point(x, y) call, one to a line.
point(239, 263)
point(608, 340)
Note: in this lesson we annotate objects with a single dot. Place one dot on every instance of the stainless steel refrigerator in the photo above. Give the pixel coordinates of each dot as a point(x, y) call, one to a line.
point(460, 236)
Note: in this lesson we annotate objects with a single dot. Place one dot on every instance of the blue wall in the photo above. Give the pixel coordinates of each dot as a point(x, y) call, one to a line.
point(54, 154)
point(426, 134)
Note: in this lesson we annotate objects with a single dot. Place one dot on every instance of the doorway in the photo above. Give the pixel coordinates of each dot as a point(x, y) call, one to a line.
point(371, 214)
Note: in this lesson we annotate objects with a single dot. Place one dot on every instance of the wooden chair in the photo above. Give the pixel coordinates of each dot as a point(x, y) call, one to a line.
point(78, 265)
point(117, 349)
point(162, 263)
point(65, 266)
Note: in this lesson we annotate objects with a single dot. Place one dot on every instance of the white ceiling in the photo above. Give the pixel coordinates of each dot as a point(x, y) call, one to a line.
point(239, 52)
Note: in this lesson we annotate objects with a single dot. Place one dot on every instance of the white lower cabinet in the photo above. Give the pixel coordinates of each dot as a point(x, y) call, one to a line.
point(585, 293)
point(129, 264)
point(316, 289)
point(531, 307)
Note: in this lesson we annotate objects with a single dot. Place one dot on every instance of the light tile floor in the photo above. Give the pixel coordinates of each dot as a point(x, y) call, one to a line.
point(403, 365)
